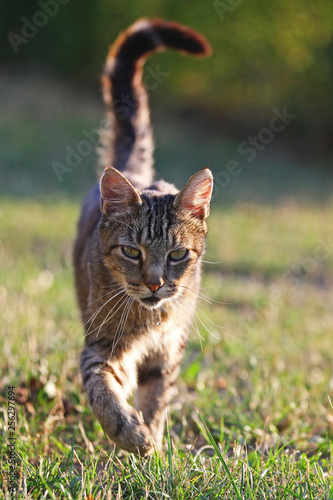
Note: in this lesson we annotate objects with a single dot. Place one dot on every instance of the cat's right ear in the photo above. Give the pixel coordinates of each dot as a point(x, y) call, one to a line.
point(117, 193)
point(195, 197)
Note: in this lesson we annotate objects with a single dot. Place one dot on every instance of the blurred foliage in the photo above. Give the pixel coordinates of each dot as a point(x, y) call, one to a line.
point(265, 55)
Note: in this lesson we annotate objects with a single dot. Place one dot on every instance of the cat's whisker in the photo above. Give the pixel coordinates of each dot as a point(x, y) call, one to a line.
point(201, 337)
point(208, 330)
point(112, 289)
point(211, 321)
point(205, 327)
point(124, 304)
point(127, 308)
point(215, 324)
point(200, 295)
point(210, 262)
point(107, 318)
point(98, 298)
point(110, 286)
point(196, 328)
point(205, 297)
point(181, 304)
point(192, 319)
point(95, 314)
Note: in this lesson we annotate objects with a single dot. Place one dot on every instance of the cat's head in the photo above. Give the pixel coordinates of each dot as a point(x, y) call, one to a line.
point(153, 241)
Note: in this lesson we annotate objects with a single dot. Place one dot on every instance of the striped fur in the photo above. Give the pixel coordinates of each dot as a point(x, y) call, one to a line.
point(138, 255)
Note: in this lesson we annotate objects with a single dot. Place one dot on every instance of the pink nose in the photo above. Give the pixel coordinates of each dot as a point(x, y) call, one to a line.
point(155, 286)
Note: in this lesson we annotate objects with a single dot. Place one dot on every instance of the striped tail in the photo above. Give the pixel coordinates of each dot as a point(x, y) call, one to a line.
point(128, 141)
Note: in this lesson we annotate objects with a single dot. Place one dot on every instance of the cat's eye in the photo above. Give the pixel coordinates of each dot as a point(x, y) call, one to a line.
point(178, 254)
point(132, 253)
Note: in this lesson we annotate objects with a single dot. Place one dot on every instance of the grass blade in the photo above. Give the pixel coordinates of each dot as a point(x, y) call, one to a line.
point(219, 454)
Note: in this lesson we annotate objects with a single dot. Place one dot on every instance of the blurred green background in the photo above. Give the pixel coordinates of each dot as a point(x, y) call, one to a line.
point(266, 56)
point(262, 376)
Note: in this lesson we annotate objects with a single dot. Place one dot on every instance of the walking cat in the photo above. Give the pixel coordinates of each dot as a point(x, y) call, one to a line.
point(138, 253)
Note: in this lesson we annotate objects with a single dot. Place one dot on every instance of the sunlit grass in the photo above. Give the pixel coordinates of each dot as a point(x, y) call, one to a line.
point(261, 381)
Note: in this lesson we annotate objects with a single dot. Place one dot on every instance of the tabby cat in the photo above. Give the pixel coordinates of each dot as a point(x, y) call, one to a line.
point(138, 253)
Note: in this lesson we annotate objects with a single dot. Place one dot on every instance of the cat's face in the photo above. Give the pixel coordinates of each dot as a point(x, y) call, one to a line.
point(153, 242)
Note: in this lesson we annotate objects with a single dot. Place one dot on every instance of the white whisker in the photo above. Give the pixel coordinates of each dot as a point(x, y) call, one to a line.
point(195, 326)
point(107, 317)
point(205, 327)
point(108, 293)
point(92, 318)
point(205, 297)
point(122, 323)
point(210, 262)
point(211, 321)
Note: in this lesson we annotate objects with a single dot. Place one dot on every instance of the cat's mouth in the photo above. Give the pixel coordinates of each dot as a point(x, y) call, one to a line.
point(151, 301)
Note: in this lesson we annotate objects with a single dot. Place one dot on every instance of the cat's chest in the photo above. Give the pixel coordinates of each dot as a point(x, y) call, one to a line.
point(161, 337)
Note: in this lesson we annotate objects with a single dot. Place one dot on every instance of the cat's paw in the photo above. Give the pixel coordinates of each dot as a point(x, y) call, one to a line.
point(135, 436)
point(142, 442)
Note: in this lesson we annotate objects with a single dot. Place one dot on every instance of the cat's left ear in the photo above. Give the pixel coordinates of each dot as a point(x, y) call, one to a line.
point(196, 194)
point(117, 193)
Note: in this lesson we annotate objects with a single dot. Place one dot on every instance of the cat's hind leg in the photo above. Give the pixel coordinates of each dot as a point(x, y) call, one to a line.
point(154, 391)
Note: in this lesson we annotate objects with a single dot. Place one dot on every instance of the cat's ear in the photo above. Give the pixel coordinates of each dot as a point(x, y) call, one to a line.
point(196, 194)
point(117, 192)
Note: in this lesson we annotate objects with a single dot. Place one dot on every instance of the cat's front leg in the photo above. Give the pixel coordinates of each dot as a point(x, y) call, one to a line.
point(107, 385)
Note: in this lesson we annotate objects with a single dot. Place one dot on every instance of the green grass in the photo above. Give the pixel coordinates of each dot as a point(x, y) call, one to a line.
point(252, 417)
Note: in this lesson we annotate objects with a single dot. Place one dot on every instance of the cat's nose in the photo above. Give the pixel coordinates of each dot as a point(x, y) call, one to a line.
point(153, 287)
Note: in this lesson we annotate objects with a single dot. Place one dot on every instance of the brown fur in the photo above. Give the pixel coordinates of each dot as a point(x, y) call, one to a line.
point(138, 257)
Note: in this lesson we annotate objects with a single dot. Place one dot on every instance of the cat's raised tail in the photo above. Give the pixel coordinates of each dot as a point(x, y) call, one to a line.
point(127, 140)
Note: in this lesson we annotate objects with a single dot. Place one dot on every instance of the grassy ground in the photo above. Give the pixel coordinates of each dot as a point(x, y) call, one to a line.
point(252, 418)
point(261, 381)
